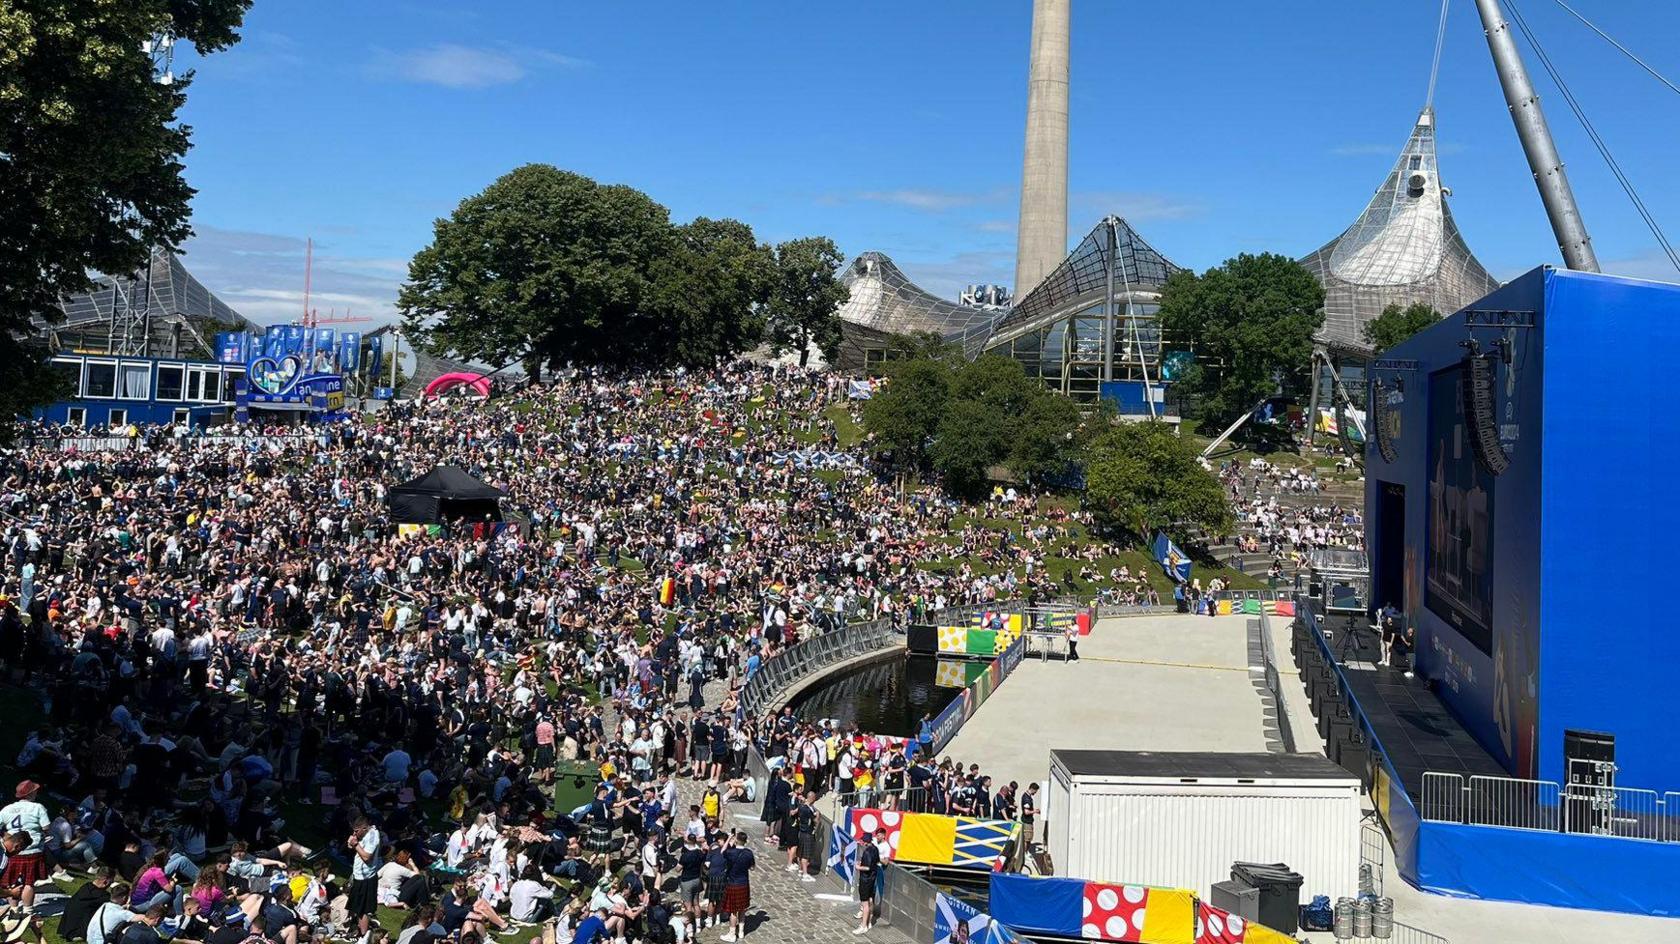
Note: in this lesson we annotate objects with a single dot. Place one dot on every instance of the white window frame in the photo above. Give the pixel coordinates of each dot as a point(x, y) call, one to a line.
point(228, 378)
point(142, 369)
point(182, 415)
point(111, 417)
point(77, 363)
point(76, 416)
point(205, 374)
point(157, 382)
point(87, 378)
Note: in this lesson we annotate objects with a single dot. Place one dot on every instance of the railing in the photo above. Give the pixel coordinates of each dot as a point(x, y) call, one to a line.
point(908, 903)
point(1547, 806)
point(1274, 684)
point(818, 652)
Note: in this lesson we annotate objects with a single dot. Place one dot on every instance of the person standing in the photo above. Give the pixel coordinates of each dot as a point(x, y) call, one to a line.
point(868, 866)
point(737, 892)
point(364, 873)
point(803, 824)
point(27, 866)
point(1073, 643)
point(1029, 806)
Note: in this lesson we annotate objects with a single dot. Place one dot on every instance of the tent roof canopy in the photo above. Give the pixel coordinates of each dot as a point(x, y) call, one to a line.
point(451, 482)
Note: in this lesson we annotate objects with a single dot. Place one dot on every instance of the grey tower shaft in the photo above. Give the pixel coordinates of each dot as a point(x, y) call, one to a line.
point(1537, 142)
point(1042, 241)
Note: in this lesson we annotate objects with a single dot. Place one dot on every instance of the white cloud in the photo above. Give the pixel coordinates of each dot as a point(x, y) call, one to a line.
point(1136, 207)
point(456, 66)
point(996, 226)
point(261, 275)
point(924, 200)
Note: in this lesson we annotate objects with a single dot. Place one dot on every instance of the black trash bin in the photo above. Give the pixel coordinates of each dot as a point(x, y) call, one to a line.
point(1280, 893)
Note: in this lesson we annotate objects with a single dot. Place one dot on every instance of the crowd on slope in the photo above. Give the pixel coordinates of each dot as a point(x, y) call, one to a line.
point(263, 711)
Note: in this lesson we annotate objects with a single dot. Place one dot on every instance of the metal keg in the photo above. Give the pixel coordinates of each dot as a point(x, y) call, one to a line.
point(1343, 926)
point(1362, 918)
point(1382, 918)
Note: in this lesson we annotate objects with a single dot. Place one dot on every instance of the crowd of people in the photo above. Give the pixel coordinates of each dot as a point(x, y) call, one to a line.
point(251, 707)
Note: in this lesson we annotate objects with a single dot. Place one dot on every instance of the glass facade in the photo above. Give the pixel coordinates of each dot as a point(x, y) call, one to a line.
point(1095, 318)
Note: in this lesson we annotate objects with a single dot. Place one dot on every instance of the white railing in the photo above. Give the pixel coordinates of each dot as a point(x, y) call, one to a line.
point(1546, 806)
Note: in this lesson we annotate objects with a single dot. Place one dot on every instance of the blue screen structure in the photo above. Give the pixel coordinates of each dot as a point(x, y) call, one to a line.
point(1459, 569)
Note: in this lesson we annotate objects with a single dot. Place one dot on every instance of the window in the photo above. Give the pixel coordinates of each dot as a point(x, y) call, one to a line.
point(228, 379)
point(169, 381)
point(77, 416)
point(204, 383)
point(119, 418)
point(100, 380)
point(183, 416)
point(134, 381)
point(70, 374)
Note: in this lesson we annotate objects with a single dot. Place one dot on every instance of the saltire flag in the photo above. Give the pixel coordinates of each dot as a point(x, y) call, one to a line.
point(951, 914)
point(1094, 911)
point(1218, 926)
point(981, 843)
point(667, 591)
point(860, 390)
point(1172, 559)
point(842, 848)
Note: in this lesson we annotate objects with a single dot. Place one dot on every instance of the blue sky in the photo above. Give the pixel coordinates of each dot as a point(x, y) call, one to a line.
point(1215, 126)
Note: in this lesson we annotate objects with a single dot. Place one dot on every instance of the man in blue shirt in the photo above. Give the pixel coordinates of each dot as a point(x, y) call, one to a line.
point(591, 929)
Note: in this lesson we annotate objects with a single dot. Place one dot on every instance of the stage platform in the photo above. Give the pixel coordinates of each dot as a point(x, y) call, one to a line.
point(1414, 728)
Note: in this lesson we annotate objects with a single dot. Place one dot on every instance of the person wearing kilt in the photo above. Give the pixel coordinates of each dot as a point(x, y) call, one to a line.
point(599, 839)
point(737, 891)
point(717, 879)
point(24, 824)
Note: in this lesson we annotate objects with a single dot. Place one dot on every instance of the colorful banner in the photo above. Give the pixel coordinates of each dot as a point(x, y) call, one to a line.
point(1172, 559)
point(1072, 907)
point(1217, 926)
point(350, 351)
point(931, 839)
point(667, 591)
point(274, 341)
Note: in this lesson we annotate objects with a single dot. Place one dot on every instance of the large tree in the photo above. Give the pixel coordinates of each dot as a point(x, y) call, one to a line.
point(1396, 324)
point(805, 298)
point(708, 293)
point(1140, 477)
point(1251, 322)
point(545, 267)
point(903, 417)
point(91, 172)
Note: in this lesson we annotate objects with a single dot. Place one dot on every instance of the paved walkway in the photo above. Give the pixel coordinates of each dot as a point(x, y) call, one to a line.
point(784, 909)
point(1142, 683)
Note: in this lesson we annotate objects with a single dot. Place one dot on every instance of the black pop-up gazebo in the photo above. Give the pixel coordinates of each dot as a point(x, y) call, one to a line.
point(445, 492)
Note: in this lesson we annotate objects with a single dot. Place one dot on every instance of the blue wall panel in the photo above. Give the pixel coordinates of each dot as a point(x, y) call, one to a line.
point(1612, 517)
point(1558, 869)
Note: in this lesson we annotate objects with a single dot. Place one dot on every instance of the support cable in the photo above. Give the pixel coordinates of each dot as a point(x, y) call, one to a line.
point(1435, 66)
point(1623, 49)
point(1592, 133)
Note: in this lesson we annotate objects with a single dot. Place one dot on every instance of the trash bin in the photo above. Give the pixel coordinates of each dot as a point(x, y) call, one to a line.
point(1280, 893)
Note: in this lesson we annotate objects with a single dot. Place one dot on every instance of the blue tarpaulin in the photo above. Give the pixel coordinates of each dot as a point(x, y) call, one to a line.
point(1041, 905)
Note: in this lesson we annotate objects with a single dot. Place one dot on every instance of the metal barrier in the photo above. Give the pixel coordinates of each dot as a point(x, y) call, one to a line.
point(1274, 683)
point(1443, 798)
point(1373, 854)
point(1546, 806)
point(803, 658)
point(908, 903)
point(1511, 802)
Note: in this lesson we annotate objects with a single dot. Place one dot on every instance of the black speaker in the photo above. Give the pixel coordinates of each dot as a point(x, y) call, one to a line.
point(1337, 712)
point(1481, 414)
point(1353, 755)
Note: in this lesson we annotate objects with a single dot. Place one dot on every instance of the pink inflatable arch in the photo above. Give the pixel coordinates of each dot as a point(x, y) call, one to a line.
point(479, 383)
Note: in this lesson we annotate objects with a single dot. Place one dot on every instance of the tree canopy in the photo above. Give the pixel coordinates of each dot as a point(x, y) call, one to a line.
point(1140, 477)
point(1250, 321)
point(805, 298)
point(960, 419)
point(1396, 324)
point(91, 172)
point(548, 267)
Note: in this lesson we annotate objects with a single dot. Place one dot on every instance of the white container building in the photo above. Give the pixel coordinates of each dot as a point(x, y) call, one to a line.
point(1179, 820)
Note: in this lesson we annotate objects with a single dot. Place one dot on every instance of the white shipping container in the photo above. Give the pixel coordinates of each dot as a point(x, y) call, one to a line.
point(1179, 820)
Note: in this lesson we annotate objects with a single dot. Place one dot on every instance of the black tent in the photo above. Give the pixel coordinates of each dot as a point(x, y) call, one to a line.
point(446, 492)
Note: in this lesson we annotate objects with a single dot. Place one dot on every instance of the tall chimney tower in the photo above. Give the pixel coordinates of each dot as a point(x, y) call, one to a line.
point(1042, 242)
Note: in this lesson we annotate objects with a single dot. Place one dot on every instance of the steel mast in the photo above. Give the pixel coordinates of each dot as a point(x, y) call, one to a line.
point(1537, 143)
